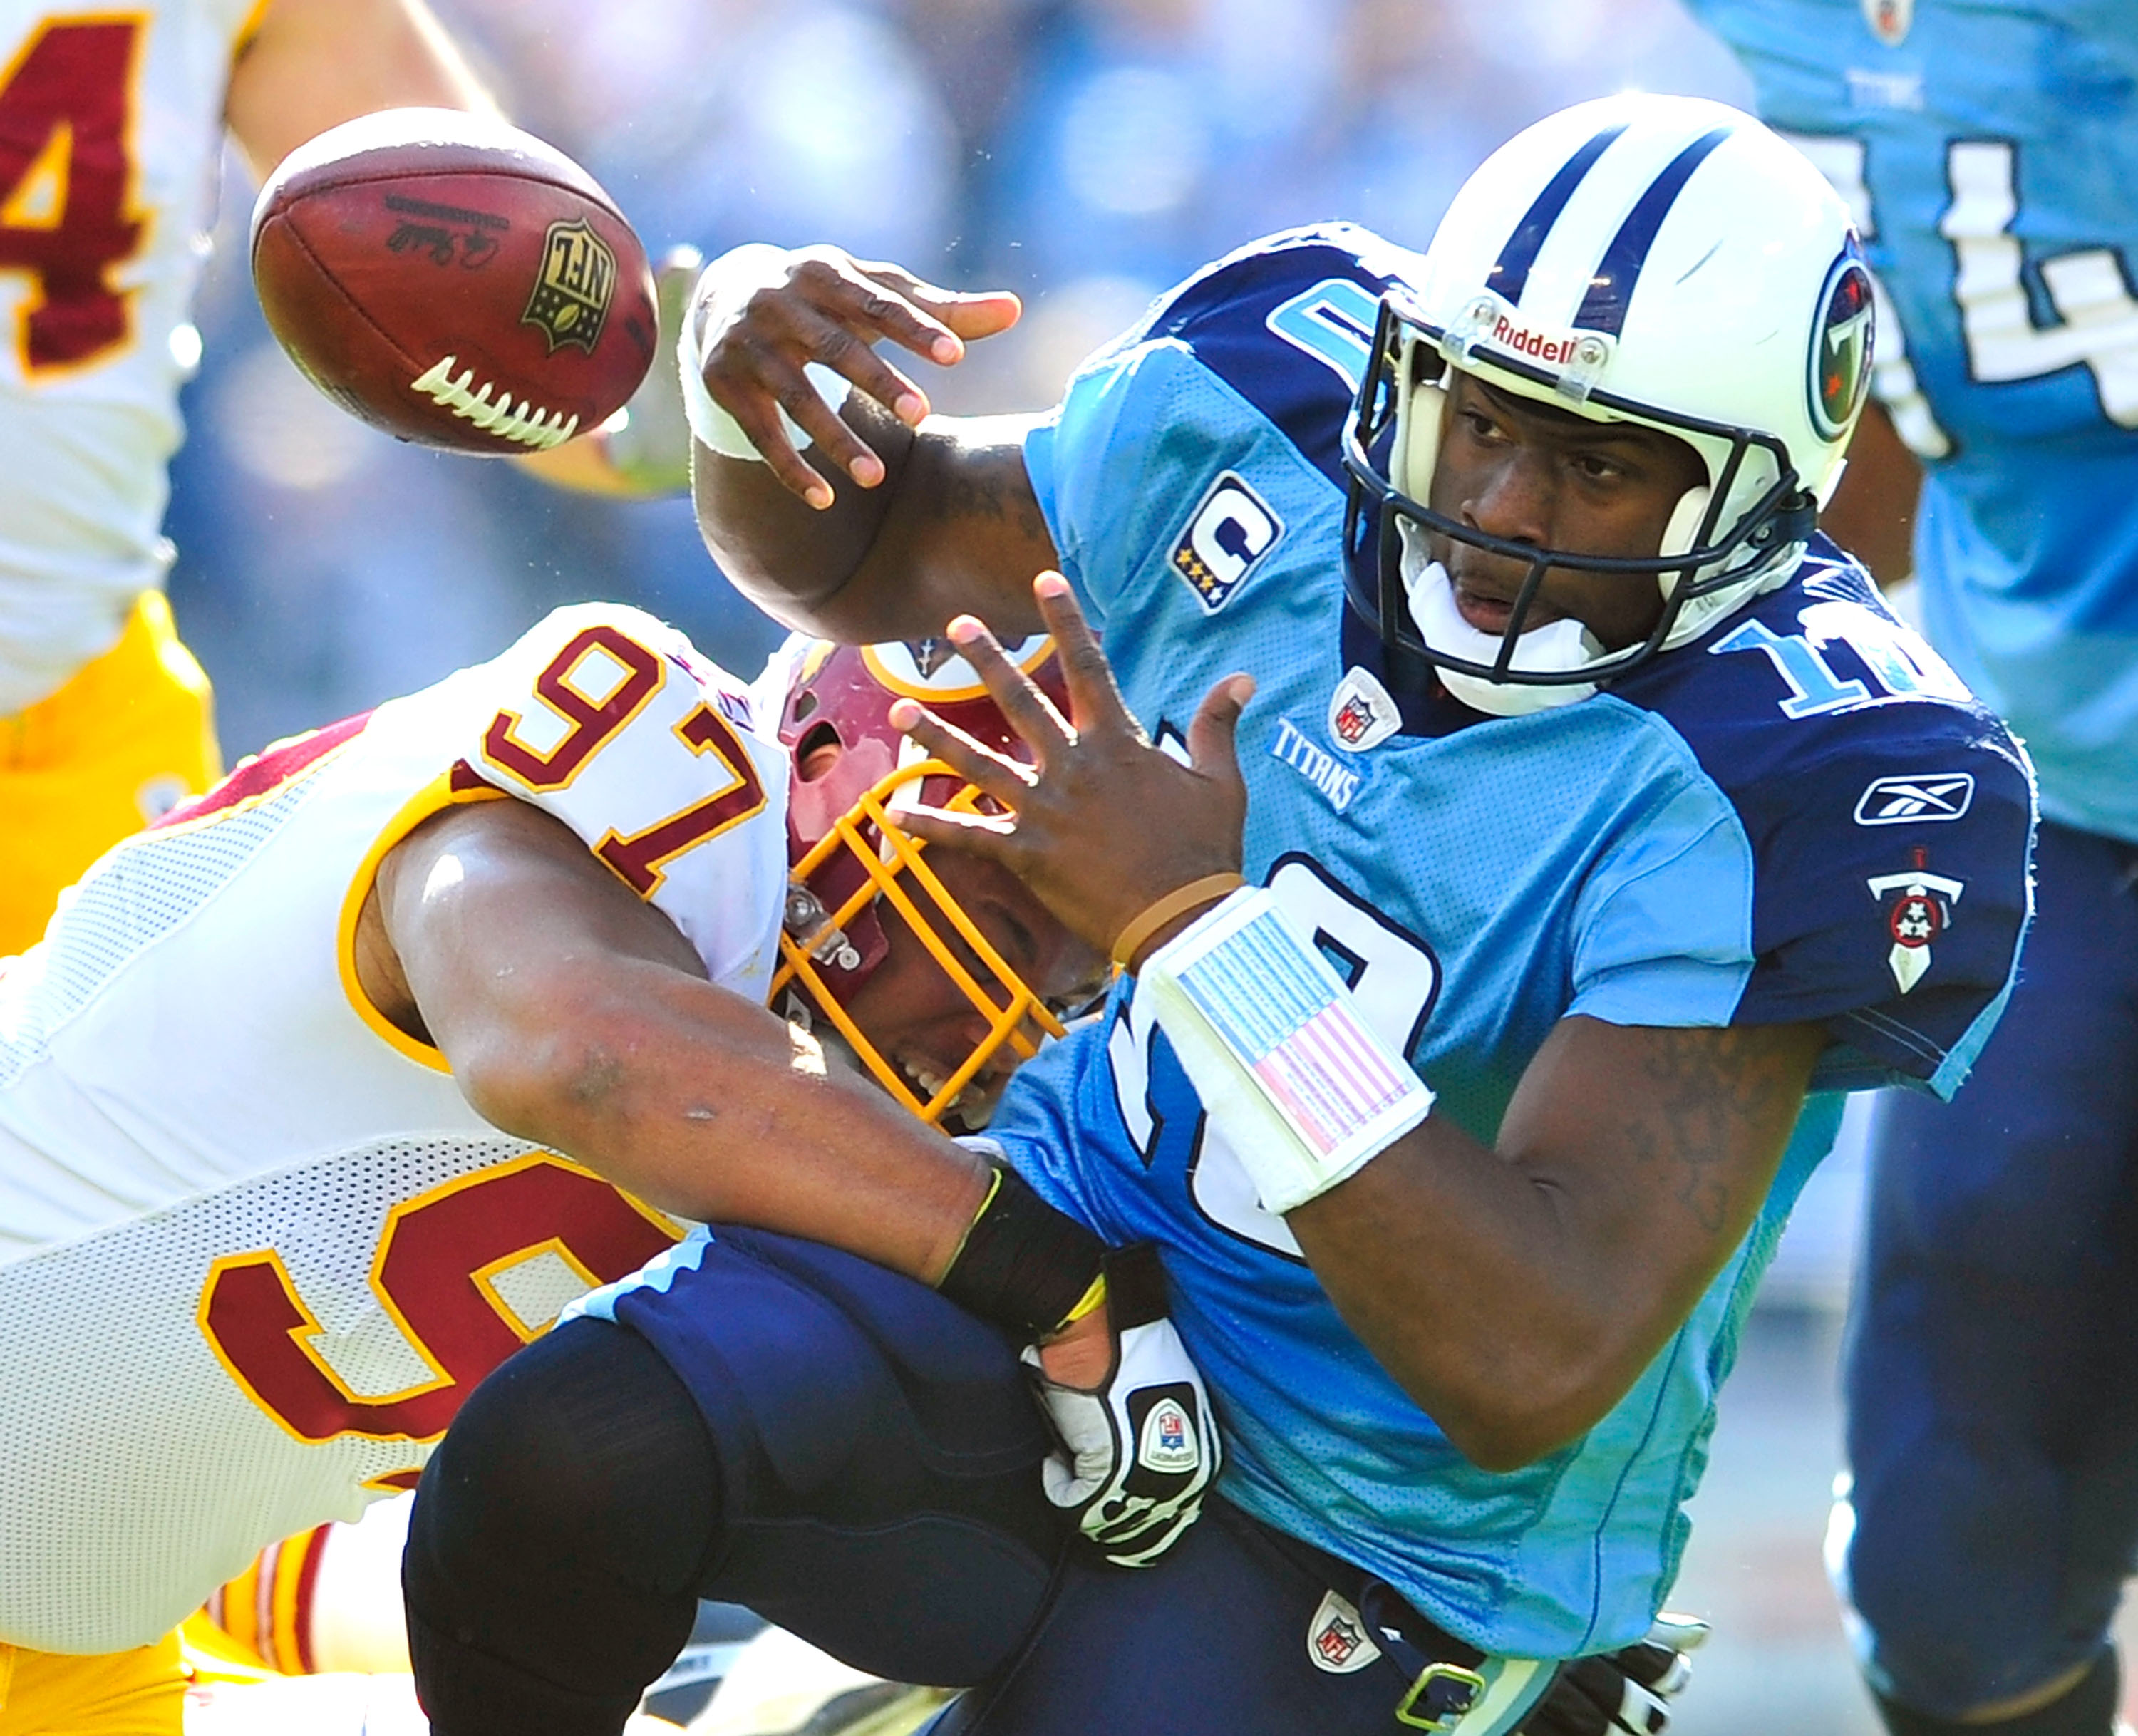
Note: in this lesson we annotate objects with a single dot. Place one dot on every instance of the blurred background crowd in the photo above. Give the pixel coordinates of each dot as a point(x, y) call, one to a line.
point(1087, 154)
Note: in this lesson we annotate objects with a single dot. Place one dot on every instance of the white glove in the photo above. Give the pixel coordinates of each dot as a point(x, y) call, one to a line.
point(1622, 1692)
point(1139, 1450)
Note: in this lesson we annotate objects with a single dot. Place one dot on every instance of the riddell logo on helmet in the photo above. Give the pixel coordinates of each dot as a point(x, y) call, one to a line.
point(1508, 335)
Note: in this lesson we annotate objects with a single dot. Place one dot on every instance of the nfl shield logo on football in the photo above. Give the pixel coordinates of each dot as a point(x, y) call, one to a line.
point(570, 299)
point(1889, 19)
point(1336, 1638)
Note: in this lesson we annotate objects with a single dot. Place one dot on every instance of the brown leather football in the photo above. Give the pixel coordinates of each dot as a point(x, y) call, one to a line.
point(454, 281)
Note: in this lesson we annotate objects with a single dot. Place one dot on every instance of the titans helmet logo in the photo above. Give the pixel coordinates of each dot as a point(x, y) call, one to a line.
point(1841, 347)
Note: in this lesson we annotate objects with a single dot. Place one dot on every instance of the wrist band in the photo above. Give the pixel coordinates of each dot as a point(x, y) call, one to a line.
point(1130, 939)
point(712, 424)
point(1095, 1299)
point(1023, 1264)
point(1302, 1089)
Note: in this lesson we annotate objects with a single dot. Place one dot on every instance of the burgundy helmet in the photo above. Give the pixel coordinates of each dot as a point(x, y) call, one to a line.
point(853, 773)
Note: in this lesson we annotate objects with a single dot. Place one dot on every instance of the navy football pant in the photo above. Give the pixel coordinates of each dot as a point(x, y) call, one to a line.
point(787, 1426)
point(1992, 1375)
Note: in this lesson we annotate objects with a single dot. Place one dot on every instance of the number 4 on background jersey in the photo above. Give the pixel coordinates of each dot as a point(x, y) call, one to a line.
point(66, 176)
point(2097, 322)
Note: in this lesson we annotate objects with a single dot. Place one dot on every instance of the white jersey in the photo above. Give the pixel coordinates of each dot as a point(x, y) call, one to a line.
point(110, 133)
point(255, 1247)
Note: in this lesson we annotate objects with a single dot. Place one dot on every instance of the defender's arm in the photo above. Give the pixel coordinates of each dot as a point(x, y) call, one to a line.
point(576, 1015)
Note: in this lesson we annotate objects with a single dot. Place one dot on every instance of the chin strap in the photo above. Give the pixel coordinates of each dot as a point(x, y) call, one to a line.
point(1564, 644)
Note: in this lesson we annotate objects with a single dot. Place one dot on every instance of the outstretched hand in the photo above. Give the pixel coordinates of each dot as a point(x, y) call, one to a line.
point(822, 304)
point(1103, 825)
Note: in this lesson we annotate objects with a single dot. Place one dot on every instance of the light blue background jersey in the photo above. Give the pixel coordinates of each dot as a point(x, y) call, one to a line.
point(1717, 840)
point(1991, 155)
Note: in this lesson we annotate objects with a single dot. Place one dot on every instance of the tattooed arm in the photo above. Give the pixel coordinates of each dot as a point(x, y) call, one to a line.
point(930, 515)
point(1516, 1293)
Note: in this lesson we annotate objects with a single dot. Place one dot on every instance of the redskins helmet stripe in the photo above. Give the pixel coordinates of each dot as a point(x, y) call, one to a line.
point(851, 861)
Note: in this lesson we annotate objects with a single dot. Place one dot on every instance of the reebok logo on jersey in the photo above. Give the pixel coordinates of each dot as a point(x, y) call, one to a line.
point(1928, 796)
point(1336, 1638)
point(1316, 764)
point(1226, 539)
point(1167, 1443)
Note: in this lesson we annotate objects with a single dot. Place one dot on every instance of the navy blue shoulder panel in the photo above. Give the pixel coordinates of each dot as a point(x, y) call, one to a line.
point(1286, 322)
point(1890, 819)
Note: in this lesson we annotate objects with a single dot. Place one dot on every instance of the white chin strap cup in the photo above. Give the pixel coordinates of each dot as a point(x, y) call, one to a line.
point(1564, 644)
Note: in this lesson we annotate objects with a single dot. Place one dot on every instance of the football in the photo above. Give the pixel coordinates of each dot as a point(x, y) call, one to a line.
point(453, 280)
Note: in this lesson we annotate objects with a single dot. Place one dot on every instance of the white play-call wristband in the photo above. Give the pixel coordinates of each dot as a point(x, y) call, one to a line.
point(1293, 1078)
point(737, 268)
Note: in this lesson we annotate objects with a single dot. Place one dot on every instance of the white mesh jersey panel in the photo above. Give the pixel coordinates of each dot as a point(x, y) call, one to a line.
point(205, 1141)
point(136, 1473)
point(139, 892)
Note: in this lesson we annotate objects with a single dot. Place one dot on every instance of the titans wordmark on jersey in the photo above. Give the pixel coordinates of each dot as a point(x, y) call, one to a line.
point(255, 1247)
point(2008, 344)
point(1721, 839)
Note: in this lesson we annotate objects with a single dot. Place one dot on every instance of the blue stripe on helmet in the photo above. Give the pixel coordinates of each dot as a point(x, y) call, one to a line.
point(1603, 308)
point(1510, 275)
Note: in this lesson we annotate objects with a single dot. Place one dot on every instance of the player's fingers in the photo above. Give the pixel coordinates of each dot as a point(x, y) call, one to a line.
point(1660, 1667)
point(739, 390)
point(1030, 712)
point(1581, 1701)
point(991, 836)
point(1679, 1631)
point(1641, 1713)
point(1006, 780)
point(840, 349)
point(871, 298)
point(1095, 702)
point(961, 313)
point(1212, 734)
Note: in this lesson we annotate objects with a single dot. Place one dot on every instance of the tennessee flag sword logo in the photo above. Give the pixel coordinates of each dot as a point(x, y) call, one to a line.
point(1922, 911)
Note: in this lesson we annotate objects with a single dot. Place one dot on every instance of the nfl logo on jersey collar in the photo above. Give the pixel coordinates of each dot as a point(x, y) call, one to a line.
point(1889, 20)
point(1362, 713)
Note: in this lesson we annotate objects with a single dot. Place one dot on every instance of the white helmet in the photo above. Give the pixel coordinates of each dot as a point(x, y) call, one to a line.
point(1659, 260)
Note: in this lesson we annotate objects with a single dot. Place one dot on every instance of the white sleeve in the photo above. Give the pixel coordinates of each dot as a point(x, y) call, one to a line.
point(614, 722)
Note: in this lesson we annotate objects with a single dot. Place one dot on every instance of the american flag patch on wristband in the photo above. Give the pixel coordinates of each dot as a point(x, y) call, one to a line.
point(1282, 1011)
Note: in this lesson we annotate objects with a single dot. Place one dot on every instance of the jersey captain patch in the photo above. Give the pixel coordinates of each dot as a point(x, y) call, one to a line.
point(1232, 529)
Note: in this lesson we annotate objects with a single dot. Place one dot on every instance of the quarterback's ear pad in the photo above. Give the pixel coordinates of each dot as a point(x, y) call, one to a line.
point(1420, 409)
point(1683, 533)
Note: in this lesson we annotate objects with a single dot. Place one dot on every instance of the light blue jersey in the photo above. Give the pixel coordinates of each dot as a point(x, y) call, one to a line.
point(1990, 151)
point(1801, 816)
